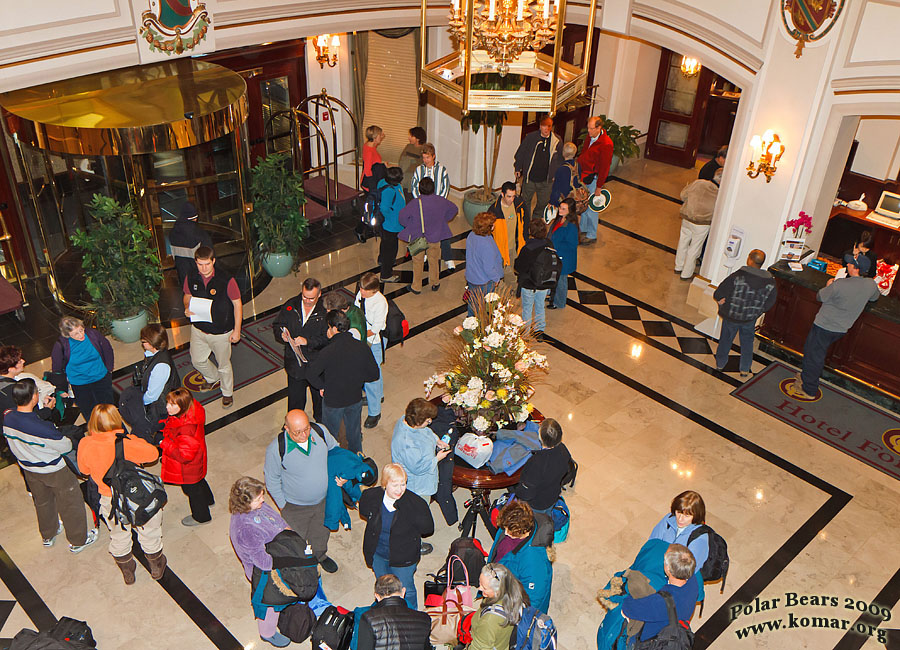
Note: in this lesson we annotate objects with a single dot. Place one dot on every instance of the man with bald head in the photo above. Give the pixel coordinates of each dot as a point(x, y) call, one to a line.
point(743, 297)
point(594, 160)
point(296, 473)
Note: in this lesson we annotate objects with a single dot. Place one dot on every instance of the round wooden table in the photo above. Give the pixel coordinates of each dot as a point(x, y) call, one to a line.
point(480, 482)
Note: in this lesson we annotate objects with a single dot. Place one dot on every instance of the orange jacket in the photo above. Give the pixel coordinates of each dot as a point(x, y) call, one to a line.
point(97, 451)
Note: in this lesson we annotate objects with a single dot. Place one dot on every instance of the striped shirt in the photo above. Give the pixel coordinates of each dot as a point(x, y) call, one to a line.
point(438, 173)
point(36, 443)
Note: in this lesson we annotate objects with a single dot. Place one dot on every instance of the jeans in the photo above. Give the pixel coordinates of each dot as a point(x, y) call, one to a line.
point(297, 396)
point(446, 252)
point(406, 574)
point(351, 416)
point(814, 352)
point(587, 224)
point(375, 389)
point(533, 301)
point(561, 292)
point(200, 497)
point(689, 244)
point(478, 290)
point(745, 332)
point(87, 396)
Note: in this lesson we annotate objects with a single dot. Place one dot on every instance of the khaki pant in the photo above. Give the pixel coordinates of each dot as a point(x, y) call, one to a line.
point(202, 345)
point(434, 265)
point(149, 535)
point(57, 495)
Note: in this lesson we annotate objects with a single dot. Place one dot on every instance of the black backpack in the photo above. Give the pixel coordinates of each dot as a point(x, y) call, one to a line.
point(296, 622)
point(472, 555)
point(545, 269)
point(676, 635)
point(333, 629)
point(137, 494)
point(70, 629)
point(716, 565)
point(397, 327)
point(282, 440)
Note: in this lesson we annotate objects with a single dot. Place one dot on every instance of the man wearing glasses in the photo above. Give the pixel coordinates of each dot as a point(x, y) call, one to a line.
point(300, 326)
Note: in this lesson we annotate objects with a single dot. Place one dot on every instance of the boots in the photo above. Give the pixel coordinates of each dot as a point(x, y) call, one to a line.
point(127, 565)
point(157, 563)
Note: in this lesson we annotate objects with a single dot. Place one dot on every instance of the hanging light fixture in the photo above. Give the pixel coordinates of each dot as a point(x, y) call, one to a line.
point(323, 56)
point(690, 66)
point(503, 37)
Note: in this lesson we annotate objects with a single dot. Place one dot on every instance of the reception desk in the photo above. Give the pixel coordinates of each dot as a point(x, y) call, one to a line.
point(869, 352)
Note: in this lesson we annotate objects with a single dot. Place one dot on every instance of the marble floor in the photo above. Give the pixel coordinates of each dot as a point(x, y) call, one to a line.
point(644, 422)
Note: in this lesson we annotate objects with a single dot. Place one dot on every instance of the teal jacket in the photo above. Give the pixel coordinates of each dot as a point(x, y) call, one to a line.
point(529, 562)
point(392, 201)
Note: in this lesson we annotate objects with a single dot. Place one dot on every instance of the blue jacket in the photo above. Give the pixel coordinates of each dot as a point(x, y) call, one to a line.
point(345, 464)
point(562, 182)
point(529, 562)
point(667, 530)
point(565, 241)
point(392, 201)
point(414, 449)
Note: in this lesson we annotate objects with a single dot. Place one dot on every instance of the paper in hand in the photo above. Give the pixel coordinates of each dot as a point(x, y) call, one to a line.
point(201, 310)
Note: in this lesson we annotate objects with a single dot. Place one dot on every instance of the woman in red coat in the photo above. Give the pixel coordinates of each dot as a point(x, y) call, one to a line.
point(184, 453)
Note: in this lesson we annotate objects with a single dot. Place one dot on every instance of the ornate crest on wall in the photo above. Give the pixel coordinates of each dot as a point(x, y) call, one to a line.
point(809, 20)
point(174, 27)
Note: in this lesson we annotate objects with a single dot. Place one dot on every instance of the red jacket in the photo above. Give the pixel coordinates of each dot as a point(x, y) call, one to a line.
point(596, 158)
point(184, 447)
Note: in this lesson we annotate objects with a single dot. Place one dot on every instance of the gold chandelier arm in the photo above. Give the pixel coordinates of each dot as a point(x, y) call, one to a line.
point(470, 28)
point(557, 56)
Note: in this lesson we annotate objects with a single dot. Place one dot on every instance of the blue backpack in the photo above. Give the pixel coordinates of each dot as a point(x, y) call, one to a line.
point(535, 631)
point(560, 516)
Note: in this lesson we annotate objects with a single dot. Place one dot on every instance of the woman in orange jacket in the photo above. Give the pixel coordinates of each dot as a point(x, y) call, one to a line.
point(184, 453)
point(96, 453)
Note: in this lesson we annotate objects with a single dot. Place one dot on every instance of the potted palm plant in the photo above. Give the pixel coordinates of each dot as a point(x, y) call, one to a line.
point(480, 199)
point(121, 267)
point(277, 220)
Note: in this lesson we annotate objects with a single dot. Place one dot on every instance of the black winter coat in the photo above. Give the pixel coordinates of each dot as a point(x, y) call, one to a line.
point(412, 521)
point(390, 625)
point(313, 331)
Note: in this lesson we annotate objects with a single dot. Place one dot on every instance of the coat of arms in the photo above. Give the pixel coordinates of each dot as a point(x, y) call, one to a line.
point(173, 26)
point(809, 20)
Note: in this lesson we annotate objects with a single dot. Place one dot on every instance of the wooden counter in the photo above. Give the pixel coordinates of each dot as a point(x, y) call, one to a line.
point(844, 227)
point(869, 352)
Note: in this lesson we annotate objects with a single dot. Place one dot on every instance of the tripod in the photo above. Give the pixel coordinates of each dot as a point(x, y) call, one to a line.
point(479, 505)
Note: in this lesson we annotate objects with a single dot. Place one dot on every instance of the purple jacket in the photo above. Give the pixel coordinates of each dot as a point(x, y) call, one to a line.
point(250, 532)
point(437, 212)
point(59, 357)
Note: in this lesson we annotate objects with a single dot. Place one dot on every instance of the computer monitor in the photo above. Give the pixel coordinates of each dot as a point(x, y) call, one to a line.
point(889, 205)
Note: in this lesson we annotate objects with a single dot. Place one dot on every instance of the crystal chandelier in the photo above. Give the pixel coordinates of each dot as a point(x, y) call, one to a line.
point(506, 28)
point(505, 37)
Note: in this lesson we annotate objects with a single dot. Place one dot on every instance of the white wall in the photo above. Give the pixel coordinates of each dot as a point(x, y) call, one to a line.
point(878, 154)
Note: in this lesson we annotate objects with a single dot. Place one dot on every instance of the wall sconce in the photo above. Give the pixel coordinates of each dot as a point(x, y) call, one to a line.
point(766, 152)
point(690, 66)
point(322, 54)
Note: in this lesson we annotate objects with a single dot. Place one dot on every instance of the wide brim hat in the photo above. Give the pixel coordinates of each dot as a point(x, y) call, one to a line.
point(550, 213)
point(598, 203)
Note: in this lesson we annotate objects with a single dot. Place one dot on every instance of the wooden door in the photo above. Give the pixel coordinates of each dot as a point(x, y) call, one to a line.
point(679, 106)
point(567, 124)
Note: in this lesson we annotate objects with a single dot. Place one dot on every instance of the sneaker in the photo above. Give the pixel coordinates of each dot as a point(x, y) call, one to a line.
point(372, 421)
point(91, 538)
point(206, 386)
point(190, 521)
point(393, 278)
point(227, 400)
point(426, 548)
point(744, 375)
point(278, 640)
point(451, 264)
point(435, 287)
point(329, 565)
point(49, 542)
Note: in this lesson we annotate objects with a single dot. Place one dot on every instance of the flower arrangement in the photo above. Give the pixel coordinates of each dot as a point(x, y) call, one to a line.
point(489, 365)
point(801, 226)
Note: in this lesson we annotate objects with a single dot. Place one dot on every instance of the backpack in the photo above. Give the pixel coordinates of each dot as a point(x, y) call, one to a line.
point(296, 622)
point(397, 327)
point(69, 629)
point(282, 440)
point(716, 565)
point(470, 551)
point(559, 513)
point(535, 631)
point(544, 272)
point(676, 635)
point(580, 193)
point(137, 495)
point(333, 630)
point(31, 640)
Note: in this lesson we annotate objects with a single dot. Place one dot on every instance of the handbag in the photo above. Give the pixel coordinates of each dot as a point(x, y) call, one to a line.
point(463, 593)
point(579, 193)
point(419, 244)
point(445, 621)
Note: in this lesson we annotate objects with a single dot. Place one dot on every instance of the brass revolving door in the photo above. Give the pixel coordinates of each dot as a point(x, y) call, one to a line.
point(159, 135)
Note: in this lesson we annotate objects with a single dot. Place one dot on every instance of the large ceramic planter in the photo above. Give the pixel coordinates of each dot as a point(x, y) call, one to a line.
point(471, 207)
point(614, 163)
point(277, 265)
point(128, 330)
